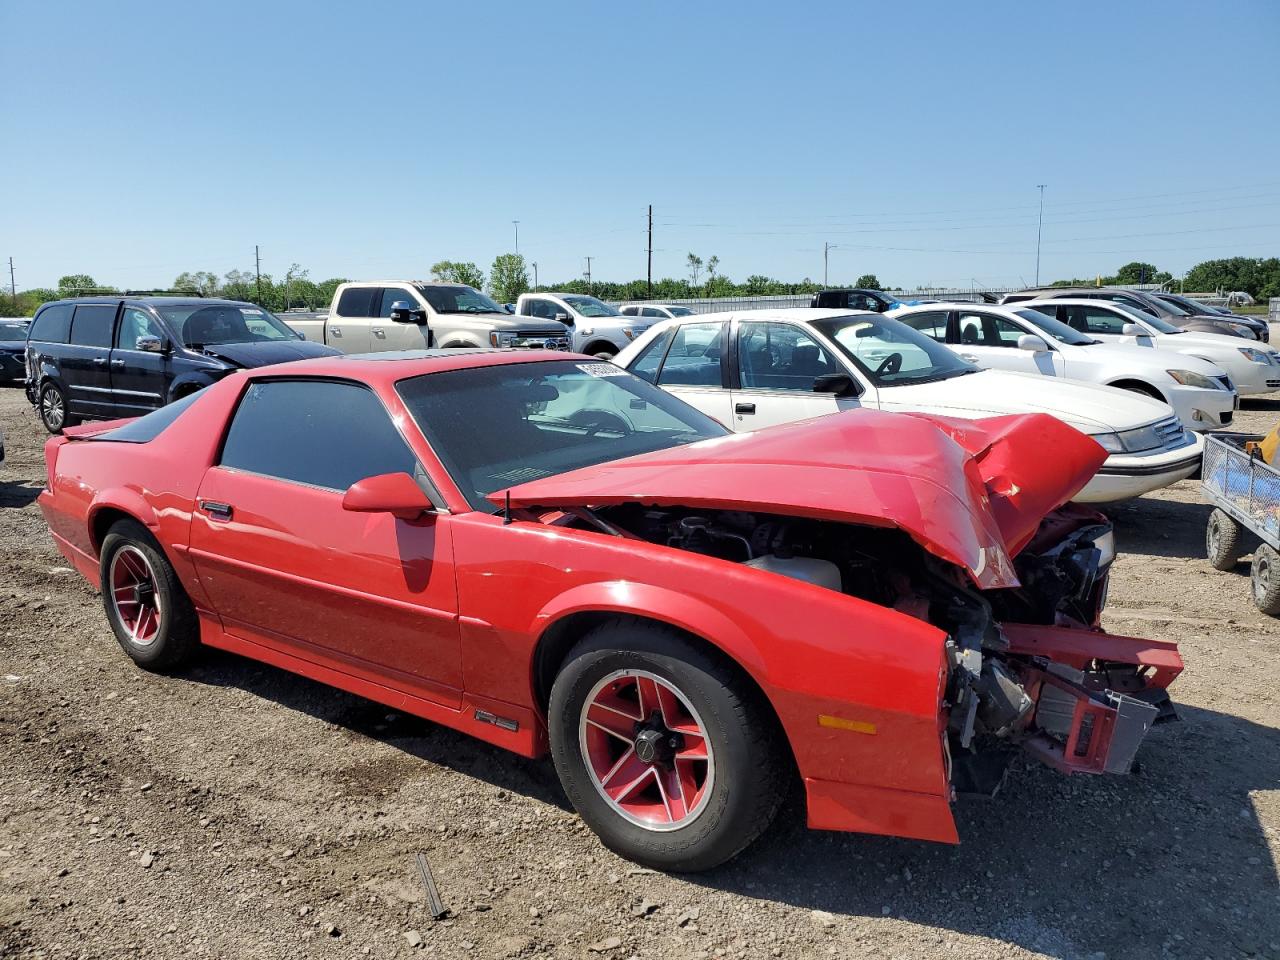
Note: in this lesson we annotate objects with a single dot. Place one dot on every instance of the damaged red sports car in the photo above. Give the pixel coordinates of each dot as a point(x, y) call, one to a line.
point(551, 554)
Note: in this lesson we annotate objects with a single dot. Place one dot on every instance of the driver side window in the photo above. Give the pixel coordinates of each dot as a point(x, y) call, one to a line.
point(992, 331)
point(134, 324)
point(392, 295)
point(780, 356)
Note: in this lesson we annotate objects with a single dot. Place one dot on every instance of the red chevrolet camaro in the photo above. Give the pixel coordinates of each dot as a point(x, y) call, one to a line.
point(549, 553)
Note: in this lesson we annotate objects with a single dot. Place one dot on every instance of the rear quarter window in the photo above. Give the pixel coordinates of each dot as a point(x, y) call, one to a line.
point(357, 301)
point(53, 323)
point(149, 427)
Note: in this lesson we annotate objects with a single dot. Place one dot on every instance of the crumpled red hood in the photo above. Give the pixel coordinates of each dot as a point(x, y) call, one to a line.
point(972, 492)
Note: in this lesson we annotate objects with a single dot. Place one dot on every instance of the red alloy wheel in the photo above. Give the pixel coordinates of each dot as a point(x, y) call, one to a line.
point(134, 597)
point(647, 750)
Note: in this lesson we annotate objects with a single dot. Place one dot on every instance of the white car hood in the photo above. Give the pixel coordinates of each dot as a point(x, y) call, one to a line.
point(1140, 359)
point(987, 393)
point(1219, 341)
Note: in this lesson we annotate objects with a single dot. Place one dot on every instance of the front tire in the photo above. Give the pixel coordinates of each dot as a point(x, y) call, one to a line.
point(1223, 541)
point(148, 609)
point(664, 750)
point(1264, 578)
point(53, 409)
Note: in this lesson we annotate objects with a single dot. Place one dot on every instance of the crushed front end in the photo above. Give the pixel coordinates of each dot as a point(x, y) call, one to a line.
point(1031, 668)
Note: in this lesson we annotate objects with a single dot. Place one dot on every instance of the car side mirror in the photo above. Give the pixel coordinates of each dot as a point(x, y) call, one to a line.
point(150, 344)
point(404, 312)
point(1029, 341)
point(1133, 330)
point(563, 318)
point(840, 384)
point(395, 493)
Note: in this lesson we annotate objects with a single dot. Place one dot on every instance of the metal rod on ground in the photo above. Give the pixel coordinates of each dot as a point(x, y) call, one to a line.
point(1039, 226)
point(434, 903)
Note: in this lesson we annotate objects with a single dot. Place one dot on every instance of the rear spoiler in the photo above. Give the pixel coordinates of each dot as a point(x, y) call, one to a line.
point(87, 431)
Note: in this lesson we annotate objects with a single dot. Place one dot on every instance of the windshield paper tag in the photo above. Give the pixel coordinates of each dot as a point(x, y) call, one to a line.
point(601, 369)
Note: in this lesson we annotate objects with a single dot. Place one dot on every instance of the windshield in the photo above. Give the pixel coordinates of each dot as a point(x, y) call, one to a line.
point(1142, 317)
point(205, 324)
point(589, 306)
point(13, 330)
point(495, 427)
point(891, 353)
point(680, 311)
point(458, 300)
point(1167, 306)
point(1055, 328)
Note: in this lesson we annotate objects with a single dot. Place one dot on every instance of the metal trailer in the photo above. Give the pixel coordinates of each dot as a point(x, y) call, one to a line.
point(1245, 492)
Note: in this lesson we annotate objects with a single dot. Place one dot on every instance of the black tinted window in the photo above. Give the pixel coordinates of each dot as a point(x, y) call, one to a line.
point(357, 302)
point(93, 324)
point(53, 323)
point(393, 295)
point(316, 432)
point(149, 427)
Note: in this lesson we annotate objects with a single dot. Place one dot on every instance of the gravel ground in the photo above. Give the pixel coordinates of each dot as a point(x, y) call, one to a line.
point(239, 811)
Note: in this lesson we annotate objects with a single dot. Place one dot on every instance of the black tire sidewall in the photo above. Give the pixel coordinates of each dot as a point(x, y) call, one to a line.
point(1269, 602)
point(173, 641)
point(1230, 537)
point(730, 821)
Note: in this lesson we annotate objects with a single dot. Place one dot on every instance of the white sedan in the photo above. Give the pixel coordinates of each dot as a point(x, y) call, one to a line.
point(1027, 340)
point(758, 368)
point(1253, 367)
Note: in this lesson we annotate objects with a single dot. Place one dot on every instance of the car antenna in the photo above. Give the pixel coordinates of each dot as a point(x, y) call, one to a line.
point(506, 510)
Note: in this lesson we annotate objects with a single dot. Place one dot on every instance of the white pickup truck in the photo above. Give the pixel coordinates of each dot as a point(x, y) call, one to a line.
point(377, 315)
point(597, 328)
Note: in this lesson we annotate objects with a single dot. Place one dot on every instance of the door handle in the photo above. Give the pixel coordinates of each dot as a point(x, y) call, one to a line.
point(100, 361)
point(117, 363)
point(969, 356)
point(744, 408)
point(380, 333)
point(215, 510)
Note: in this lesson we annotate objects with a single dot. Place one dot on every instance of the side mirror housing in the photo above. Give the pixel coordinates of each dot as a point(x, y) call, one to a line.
point(1133, 330)
point(563, 318)
point(840, 384)
point(1029, 341)
point(149, 344)
point(395, 493)
point(404, 312)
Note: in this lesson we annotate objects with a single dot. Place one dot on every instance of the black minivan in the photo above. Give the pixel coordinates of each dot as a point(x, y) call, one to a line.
point(99, 358)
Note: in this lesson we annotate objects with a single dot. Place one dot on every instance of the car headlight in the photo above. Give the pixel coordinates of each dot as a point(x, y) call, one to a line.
point(1109, 442)
point(1257, 356)
point(497, 339)
point(1242, 330)
point(1189, 378)
point(1106, 546)
point(628, 333)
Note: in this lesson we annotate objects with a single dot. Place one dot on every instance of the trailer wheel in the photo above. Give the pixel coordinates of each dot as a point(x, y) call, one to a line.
point(1223, 541)
point(1265, 579)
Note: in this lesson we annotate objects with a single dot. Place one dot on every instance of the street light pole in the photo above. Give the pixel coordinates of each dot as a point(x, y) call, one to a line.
point(535, 277)
point(589, 259)
point(826, 248)
point(516, 225)
point(1039, 228)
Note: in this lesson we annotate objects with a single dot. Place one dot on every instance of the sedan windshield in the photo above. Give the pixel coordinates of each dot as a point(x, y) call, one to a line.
point(590, 306)
point(458, 300)
point(206, 324)
point(495, 427)
point(891, 353)
point(1055, 328)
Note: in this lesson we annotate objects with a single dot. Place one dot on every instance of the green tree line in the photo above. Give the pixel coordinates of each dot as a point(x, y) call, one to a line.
point(508, 277)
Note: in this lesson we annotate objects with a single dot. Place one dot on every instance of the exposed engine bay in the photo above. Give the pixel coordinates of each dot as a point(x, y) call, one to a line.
point(1013, 680)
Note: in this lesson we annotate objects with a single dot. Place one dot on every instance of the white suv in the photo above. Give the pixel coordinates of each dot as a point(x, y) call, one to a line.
point(654, 311)
point(758, 368)
point(1025, 340)
point(595, 327)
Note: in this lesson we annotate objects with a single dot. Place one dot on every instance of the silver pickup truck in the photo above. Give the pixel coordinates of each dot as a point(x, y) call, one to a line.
point(377, 315)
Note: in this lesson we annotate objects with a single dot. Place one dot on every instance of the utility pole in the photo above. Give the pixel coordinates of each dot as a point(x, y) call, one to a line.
point(257, 269)
point(589, 259)
point(649, 281)
point(13, 287)
point(826, 248)
point(516, 224)
point(535, 277)
point(1039, 227)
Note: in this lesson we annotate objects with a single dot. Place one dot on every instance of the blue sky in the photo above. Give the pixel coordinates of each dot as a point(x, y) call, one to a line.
point(372, 139)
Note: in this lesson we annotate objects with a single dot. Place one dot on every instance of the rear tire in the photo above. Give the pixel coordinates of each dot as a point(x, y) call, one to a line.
point(1264, 578)
point(53, 409)
point(684, 785)
point(1223, 540)
point(148, 609)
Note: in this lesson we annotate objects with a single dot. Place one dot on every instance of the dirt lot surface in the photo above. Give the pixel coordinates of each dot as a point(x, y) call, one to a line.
point(237, 811)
